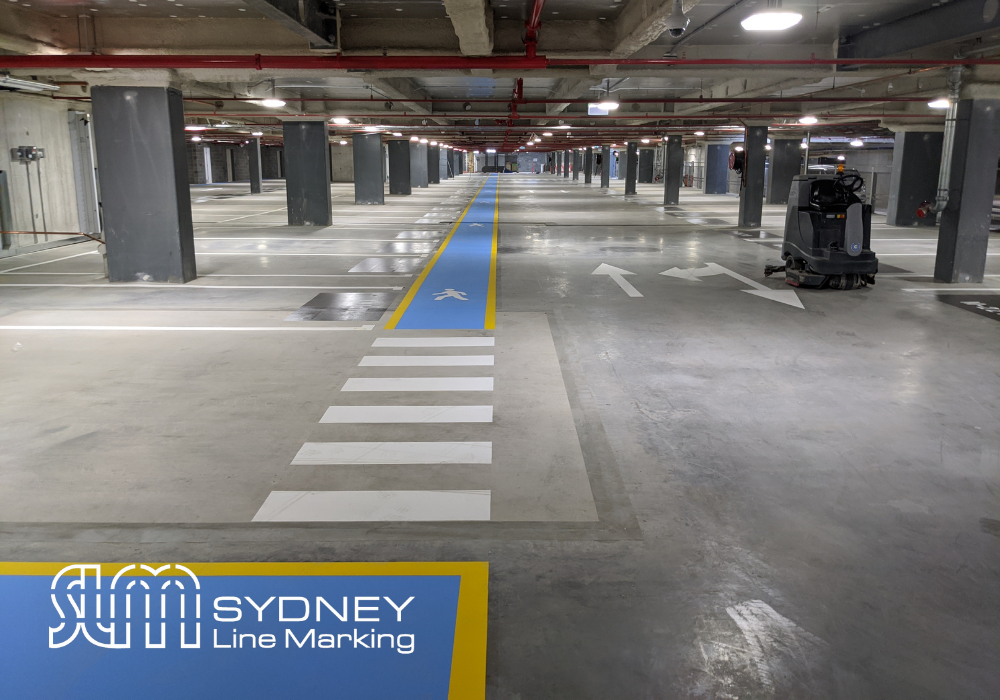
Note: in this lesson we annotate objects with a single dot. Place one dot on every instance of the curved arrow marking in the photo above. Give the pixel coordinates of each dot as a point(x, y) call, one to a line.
point(782, 296)
point(616, 273)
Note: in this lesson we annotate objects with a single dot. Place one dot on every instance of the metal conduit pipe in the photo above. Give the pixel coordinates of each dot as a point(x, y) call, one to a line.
point(944, 174)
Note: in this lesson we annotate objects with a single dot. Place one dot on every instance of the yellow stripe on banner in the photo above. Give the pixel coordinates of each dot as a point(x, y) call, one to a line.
point(405, 304)
point(490, 323)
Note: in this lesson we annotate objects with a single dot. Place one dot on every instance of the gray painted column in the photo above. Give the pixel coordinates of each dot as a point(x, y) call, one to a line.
point(558, 169)
point(786, 163)
point(645, 165)
point(605, 167)
point(916, 162)
point(433, 165)
point(752, 191)
point(400, 179)
point(307, 173)
point(256, 179)
point(576, 164)
point(716, 168)
point(965, 222)
point(631, 167)
point(442, 163)
point(369, 183)
point(588, 165)
point(418, 164)
point(139, 139)
point(566, 163)
point(673, 170)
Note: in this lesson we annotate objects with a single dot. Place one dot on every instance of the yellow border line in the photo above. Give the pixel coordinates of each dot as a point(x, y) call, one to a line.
point(468, 660)
point(490, 322)
point(404, 305)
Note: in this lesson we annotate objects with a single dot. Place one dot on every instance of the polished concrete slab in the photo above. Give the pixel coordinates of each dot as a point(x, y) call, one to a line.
point(695, 493)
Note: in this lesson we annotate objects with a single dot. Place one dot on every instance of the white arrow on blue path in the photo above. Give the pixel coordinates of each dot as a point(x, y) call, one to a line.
point(616, 273)
point(783, 296)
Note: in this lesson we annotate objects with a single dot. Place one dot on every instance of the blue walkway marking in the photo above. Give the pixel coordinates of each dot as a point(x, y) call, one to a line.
point(457, 289)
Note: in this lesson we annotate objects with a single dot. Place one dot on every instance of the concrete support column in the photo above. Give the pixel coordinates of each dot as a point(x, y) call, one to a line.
point(588, 165)
point(256, 171)
point(916, 162)
point(786, 163)
point(566, 162)
point(433, 164)
point(576, 164)
point(368, 179)
point(673, 169)
point(631, 167)
point(605, 167)
point(752, 191)
point(646, 156)
point(965, 222)
point(716, 168)
point(400, 179)
point(418, 164)
point(307, 178)
point(139, 139)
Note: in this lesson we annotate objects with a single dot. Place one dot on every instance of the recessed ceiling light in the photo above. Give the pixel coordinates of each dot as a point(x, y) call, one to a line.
point(808, 120)
point(771, 21)
point(941, 103)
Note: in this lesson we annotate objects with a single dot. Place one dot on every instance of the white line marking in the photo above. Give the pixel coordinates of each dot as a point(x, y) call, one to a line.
point(352, 276)
point(319, 453)
point(260, 213)
point(616, 273)
point(425, 360)
point(46, 262)
point(250, 329)
point(280, 240)
point(419, 384)
point(142, 285)
point(454, 342)
point(316, 255)
point(408, 414)
point(374, 506)
point(982, 290)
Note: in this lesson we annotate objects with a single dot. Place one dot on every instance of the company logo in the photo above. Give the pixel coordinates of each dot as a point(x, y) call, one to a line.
point(164, 606)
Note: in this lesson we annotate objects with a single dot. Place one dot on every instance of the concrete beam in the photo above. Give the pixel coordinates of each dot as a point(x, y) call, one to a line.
point(473, 23)
point(641, 23)
point(310, 19)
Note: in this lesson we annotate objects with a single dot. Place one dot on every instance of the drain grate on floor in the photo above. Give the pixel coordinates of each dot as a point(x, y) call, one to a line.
point(344, 306)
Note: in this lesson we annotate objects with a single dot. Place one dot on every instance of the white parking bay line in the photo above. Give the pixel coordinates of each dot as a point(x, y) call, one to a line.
point(374, 506)
point(425, 360)
point(408, 414)
point(313, 453)
point(454, 342)
point(419, 384)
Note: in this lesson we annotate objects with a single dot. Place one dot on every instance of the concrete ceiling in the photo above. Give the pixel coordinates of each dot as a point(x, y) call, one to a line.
point(591, 29)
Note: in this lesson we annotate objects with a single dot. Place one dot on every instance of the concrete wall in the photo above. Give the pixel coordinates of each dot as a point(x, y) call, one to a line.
point(341, 162)
point(241, 164)
point(40, 122)
point(270, 162)
point(526, 160)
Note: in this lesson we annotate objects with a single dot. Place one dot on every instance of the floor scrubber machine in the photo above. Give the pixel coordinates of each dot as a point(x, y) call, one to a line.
point(827, 233)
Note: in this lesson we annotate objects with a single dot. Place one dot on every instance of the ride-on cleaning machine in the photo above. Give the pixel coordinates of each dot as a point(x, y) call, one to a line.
point(827, 233)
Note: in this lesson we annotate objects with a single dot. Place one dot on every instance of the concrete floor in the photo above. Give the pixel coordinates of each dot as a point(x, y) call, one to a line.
point(697, 493)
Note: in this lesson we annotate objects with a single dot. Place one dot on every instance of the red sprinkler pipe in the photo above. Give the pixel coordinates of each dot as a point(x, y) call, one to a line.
point(514, 63)
point(531, 28)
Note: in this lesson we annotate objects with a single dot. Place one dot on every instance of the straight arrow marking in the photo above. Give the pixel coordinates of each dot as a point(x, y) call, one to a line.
point(616, 273)
point(782, 296)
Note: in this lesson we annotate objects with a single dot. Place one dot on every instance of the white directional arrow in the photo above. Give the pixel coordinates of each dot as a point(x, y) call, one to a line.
point(782, 296)
point(616, 273)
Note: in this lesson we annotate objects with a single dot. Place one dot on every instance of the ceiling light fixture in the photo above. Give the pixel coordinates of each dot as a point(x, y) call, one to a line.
point(343, 143)
point(195, 127)
point(256, 133)
point(423, 140)
point(434, 143)
point(841, 158)
point(645, 140)
point(857, 143)
point(26, 85)
point(372, 127)
point(414, 138)
point(397, 134)
point(547, 133)
point(771, 21)
point(196, 138)
point(699, 133)
point(491, 150)
point(341, 120)
point(808, 120)
point(941, 103)
point(273, 103)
